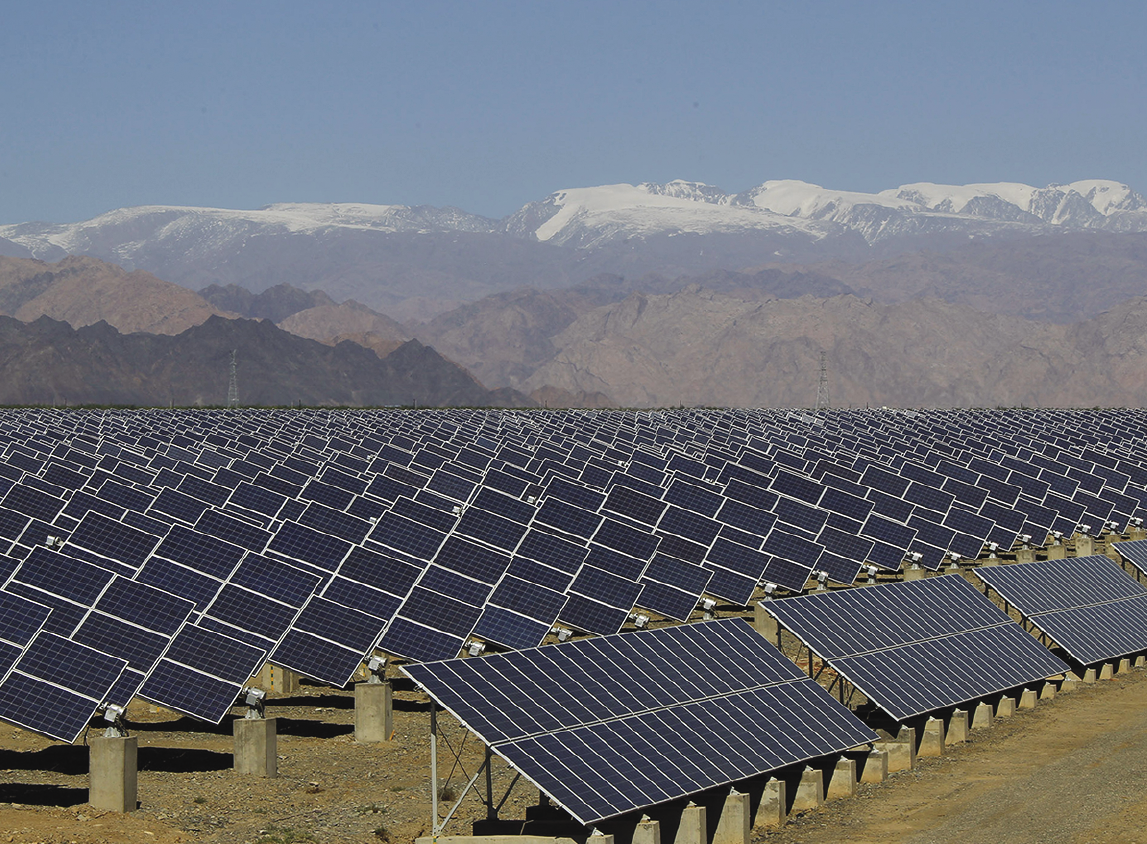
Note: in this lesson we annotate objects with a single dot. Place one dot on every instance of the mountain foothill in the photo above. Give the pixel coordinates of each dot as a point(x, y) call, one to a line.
point(636, 296)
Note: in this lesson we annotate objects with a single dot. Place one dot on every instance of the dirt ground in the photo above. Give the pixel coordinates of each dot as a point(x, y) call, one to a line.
point(1074, 770)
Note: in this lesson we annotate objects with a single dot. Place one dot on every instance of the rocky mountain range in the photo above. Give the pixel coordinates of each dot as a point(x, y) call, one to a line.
point(413, 263)
point(646, 295)
point(49, 362)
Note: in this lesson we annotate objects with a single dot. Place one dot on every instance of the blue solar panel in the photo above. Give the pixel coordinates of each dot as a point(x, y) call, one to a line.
point(878, 637)
point(56, 686)
point(605, 726)
point(1088, 606)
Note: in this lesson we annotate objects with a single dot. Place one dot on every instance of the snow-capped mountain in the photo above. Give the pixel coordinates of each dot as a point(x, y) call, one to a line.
point(589, 217)
point(586, 218)
point(414, 261)
point(125, 234)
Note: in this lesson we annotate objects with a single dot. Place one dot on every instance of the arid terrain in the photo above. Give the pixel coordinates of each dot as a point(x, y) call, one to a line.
point(1073, 770)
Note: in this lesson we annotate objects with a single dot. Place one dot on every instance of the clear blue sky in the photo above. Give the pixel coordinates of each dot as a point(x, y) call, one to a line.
point(489, 105)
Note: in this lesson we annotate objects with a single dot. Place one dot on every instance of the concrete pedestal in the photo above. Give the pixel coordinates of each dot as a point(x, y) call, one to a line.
point(1124, 665)
point(875, 767)
point(957, 732)
point(112, 772)
point(1006, 707)
point(1047, 692)
point(1140, 661)
point(256, 747)
point(772, 810)
point(692, 829)
point(1070, 682)
point(901, 749)
point(1089, 675)
point(915, 573)
point(1136, 533)
point(843, 781)
point(735, 823)
point(278, 681)
point(1084, 546)
point(1025, 555)
point(810, 790)
point(647, 832)
point(1056, 552)
point(373, 712)
point(1028, 699)
point(1106, 672)
point(932, 742)
point(765, 624)
point(982, 716)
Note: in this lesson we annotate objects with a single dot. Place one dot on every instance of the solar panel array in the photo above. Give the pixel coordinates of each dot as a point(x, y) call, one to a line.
point(917, 646)
point(609, 725)
point(312, 537)
point(1089, 606)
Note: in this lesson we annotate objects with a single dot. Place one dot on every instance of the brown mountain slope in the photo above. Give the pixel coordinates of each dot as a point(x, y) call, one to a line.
point(697, 347)
point(48, 362)
point(1052, 279)
point(82, 291)
point(332, 324)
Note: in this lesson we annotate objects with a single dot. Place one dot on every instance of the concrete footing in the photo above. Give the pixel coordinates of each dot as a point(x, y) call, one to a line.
point(1047, 692)
point(373, 712)
point(1124, 666)
point(772, 810)
point(647, 832)
point(1084, 545)
point(1089, 675)
point(915, 573)
point(809, 791)
point(1025, 555)
point(692, 830)
point(112, 773)
point(1006, 707)
point(901, 749)
point(735, 823)
point(932, 740)
point(957, 732)
point(1140, 661)
point(256, 747)
point(982, 716)
point(765, 624)
point(278, 681)
point(1056, 552)
point(1028, 699)
point(1106, 672)
point(842, 782)
point(1070, 682)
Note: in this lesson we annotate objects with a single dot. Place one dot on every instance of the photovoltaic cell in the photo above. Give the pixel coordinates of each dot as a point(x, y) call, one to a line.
point(878, 637)
point(1089, 606)
point(613, 753)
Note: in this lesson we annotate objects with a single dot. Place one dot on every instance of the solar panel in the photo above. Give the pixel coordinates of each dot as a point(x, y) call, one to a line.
point(409, 537)
point(1089, 606)
point(490, 528)
point(328, 641)
point(882, 639)
point(202, 673)
point(56, 686)
point(672, 588)
point(113, 540)
point(607, 726)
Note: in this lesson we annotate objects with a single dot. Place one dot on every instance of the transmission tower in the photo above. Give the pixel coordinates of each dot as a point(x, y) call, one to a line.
point(233, 384)
point(822, 399)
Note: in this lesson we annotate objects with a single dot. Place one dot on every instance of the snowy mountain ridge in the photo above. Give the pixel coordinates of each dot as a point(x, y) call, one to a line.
point(588, 217)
